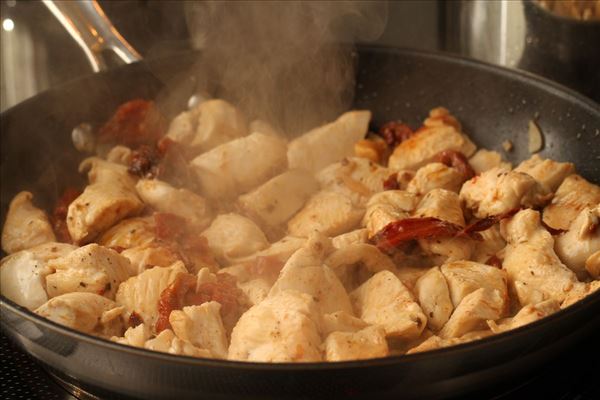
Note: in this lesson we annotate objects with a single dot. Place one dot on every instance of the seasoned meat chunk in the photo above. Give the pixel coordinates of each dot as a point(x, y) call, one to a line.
point(572, 196)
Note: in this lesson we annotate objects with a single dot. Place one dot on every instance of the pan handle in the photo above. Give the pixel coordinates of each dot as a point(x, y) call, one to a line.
point(93, 31)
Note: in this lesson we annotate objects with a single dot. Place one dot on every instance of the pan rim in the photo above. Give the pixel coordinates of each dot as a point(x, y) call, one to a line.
point(494, 340)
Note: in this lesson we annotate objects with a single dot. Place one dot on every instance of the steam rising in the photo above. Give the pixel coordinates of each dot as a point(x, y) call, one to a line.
point(289, 63)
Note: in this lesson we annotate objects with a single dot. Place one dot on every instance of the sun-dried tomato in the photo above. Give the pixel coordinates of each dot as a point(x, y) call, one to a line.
point(494, 261)
point(183, 292)
point(135, 122)
point(169, 227)
point(144, 161)
point(135, 319)
point(391, 182)
point(457, 160)
point(395, 132)
point(59, 214)
point(487, 222)
point(401, 231)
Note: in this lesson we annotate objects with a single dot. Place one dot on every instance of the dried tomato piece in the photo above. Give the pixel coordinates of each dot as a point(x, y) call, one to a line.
point(135, 122)
point(457, 160)
point(398, 232)
point(395, 132)
point(59, 214)
point(391, 183)
point(135, 319)
point(183, 292)
point(487, 222)
point(494, 261)
point(169, 227)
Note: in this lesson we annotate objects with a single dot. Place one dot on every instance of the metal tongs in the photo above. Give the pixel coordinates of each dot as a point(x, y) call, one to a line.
point(93, 31)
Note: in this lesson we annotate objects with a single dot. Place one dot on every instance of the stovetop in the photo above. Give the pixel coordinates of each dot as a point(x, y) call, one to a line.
point(575, 376)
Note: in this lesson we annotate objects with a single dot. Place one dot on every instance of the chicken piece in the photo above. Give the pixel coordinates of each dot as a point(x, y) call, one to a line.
point(266, 206)
point(592, 265)
point(433, 295)
point(211, 123)
point(549, 173)
point(465, 277)
point(141, 293)
point(134, 336)
point(341, 321)
point(240, 165)
point(367, 343)
point(580, 292)
point(305, 272)
point(436, 342)
point(201, 326)
point(167, 342)
point(25, 226)
point(582, 240)
point(473, 311)
point(356, 236)
point(328, 212)
point(444, 205)
point(282, 328)
point(23, 274)
point(572, 196)
point(499, 190)
point(324, 145)
point(109, 198)
point(182, 202)
point(258, 125)
point(428, 141)
point(484, 160)
point(357, 178)
point(491, 244)
point(534, 270)
point(147, 256)
point(409, 275)
point(281, 250)
point(528, 314)
point(231, 236)
point(129, 233)
point(120, 155)
point(435, 175)
point(356, 263)
point(386, 207)
point(91, 268)
point(384, 300)
point(85, 312)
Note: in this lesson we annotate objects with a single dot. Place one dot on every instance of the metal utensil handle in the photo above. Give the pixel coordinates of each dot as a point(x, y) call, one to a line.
point(93, 31)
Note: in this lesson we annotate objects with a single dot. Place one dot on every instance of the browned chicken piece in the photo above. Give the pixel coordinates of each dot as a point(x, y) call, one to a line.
point(473, 311)
point(526, 315)
point(572, 196)
point(328, 212)
point(91, 268)
point(233, 168)
point(327, 144)
point(356, 236)
point(341, 321)
point(438, 134)
point(211, 123)
point(580, 292)
point(148, 256)
point(534, 270)
point(130, 232)
point(548, 172)
point(592, 265)
point(265, 206)
point(444, 205)
point(357, 178)
point(85, 312)
point(436, 342)
point(232, 236)
point(582, 240)
point(465, 277)
point(26, 225)
point(435, 175)
point(500, 190)
point(433, 295)
point(109, 198)
point(491, 244)
point(383, 300)
point(386, 207)
point(367, 343)
point(305, 272)
point(167, 342)
point(120, 155)
point(484, 159)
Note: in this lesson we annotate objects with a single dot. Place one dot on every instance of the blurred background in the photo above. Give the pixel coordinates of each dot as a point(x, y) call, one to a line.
point(556, 39)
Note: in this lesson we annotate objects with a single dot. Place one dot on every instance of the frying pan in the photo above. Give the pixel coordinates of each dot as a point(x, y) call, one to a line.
point(494, 104)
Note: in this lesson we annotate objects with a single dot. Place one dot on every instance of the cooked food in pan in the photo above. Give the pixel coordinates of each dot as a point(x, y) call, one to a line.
point(215, 237)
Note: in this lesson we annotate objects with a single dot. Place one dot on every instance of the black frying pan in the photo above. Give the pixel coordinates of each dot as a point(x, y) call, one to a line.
point(494, 104)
